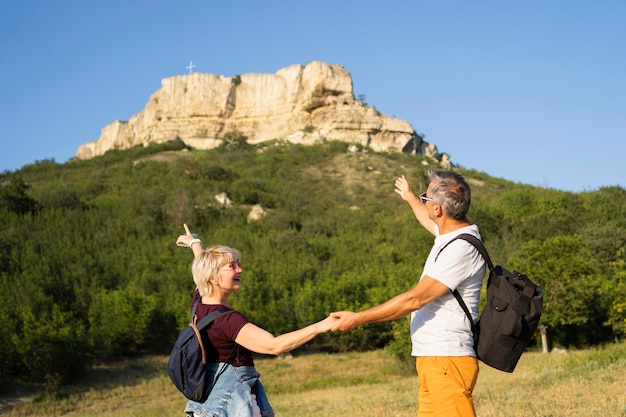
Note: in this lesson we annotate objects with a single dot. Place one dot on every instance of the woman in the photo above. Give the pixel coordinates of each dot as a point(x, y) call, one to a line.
point(237, 391)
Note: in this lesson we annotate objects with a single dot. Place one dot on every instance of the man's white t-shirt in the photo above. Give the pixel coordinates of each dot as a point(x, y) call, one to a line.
point(441, 327)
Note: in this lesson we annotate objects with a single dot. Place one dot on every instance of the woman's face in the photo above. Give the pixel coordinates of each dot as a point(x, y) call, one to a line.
point(229, 277)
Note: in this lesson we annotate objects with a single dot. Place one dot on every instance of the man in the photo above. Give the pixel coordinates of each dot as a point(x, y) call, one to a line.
point(441, 335)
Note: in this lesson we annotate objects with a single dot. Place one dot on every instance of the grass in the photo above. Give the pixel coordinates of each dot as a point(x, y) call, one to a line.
point(370, 384)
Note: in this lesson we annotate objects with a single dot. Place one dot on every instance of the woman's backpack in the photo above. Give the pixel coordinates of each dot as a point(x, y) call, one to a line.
point(510, 316)
point(187, 363)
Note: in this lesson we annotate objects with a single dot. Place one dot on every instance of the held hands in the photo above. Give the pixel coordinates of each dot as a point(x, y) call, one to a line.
point(344, 321)
point(326, 324)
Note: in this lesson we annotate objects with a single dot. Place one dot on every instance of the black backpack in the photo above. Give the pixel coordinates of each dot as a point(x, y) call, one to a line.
point(510, 316)
point(187, 363)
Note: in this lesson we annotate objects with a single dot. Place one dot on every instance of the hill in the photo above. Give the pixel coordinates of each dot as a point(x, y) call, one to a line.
point(90, 270)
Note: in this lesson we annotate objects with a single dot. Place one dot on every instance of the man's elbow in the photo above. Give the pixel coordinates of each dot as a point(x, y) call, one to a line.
point(414, 304)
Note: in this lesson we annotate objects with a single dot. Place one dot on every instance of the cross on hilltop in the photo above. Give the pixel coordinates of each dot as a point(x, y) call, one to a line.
point(190, 67)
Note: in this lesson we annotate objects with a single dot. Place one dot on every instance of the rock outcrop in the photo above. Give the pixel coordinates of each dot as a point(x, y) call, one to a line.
point(301, 104)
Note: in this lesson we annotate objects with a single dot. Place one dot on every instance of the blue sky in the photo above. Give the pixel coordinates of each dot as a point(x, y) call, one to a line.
point(533, 92)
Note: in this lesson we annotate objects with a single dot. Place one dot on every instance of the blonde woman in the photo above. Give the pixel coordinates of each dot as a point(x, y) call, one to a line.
point(237, 392)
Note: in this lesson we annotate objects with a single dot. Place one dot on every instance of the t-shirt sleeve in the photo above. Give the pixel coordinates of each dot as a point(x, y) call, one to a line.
point(231, 324)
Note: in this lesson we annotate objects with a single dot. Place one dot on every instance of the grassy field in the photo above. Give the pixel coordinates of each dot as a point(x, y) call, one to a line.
point(584, 383)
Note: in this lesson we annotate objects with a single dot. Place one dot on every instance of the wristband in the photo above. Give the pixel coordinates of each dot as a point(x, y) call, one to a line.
point(192, 241)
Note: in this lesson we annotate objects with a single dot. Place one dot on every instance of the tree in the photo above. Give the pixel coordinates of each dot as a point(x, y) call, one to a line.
point(235, 139)
point(616, 288)
point(13, 197)
point(568, 275)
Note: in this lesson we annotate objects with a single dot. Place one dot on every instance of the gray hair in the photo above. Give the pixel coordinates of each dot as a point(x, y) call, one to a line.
point(451, 191)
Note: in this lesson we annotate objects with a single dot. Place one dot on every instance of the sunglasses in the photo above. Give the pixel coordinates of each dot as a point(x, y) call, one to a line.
point(424, 199)
point(234, 264)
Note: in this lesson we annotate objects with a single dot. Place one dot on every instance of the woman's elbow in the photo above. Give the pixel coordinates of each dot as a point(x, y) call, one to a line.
point(273, 351)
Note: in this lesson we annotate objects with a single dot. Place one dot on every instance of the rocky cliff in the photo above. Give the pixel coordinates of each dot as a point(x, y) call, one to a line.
point(301, 104)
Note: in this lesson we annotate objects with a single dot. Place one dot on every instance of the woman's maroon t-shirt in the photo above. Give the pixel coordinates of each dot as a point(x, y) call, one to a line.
point(222, 334)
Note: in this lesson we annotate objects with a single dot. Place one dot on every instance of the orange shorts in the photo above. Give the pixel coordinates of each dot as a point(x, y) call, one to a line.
point(446, 385)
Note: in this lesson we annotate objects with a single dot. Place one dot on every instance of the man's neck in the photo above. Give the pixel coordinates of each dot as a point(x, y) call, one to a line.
point(447, 225)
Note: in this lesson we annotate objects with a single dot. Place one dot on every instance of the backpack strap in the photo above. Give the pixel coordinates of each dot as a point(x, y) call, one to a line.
point(474, 241)
point(469, 316)
point(198, 327)
point(202, 324)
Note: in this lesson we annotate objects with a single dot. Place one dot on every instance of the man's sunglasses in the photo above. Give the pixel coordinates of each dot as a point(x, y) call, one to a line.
point(424, 199)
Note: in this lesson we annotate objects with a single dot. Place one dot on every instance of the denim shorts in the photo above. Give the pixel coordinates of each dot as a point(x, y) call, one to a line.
point(232, 392)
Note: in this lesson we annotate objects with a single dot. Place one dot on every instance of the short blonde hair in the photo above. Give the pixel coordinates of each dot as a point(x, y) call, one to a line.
point(206, 266)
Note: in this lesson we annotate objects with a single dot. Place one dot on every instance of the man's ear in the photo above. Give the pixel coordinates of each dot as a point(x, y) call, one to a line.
point(438, 210)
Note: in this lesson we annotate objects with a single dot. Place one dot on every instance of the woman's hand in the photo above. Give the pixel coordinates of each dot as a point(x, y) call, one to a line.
point(327, 324)
point(190, 240)
point(184, 240)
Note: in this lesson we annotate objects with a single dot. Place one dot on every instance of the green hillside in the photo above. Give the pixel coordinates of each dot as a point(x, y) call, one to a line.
point(89, 269)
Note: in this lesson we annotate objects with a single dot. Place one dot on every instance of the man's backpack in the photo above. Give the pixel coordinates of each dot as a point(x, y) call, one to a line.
point(187, 363)
point(510, 316)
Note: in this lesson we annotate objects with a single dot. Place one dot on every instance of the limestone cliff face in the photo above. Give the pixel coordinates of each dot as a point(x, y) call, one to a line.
point(301, 104)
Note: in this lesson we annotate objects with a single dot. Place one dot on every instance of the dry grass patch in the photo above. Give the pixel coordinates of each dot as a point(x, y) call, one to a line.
point(585, 383)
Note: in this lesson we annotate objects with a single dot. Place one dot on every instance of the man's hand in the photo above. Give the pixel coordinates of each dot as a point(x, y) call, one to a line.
point(403, 188)
point(344, 321)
